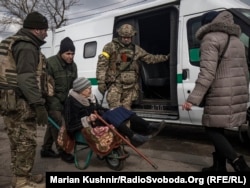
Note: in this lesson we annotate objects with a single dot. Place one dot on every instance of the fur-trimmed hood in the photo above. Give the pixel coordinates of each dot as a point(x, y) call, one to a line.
point(222, 22)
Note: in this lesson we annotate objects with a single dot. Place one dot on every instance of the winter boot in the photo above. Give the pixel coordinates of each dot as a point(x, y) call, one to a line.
point(219, 164)
point(124, 130)
point(155, 128)
point(240, 165)
point(137, 140)
point(23, 182)
point(37, 178)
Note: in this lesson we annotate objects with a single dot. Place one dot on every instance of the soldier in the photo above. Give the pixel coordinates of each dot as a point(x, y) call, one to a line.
point(118, 68)
point(29, 94)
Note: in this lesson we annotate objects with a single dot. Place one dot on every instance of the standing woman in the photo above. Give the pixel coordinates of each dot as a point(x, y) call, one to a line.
point(225, 86)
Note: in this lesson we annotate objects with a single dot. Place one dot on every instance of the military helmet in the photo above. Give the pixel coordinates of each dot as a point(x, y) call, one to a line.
point(126, 30)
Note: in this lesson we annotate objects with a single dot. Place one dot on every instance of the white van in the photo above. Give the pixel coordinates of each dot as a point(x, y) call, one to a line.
point(163, 26)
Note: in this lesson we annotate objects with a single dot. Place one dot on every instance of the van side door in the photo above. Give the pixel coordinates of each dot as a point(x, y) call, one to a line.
point(189, 49)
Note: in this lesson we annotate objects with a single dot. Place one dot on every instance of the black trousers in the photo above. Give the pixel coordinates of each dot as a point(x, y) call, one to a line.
point(137, 125)
point(221, 144)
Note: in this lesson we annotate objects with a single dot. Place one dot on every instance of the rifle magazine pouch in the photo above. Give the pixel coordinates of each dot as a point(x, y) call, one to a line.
point(8, 101)
point(128, 77)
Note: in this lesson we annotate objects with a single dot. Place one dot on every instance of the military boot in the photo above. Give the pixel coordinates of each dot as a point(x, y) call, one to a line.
point(219, 164)
point(37, 178)
point(23, 182)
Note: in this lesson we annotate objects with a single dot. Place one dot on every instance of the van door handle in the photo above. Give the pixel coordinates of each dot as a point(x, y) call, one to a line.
point(184, 74)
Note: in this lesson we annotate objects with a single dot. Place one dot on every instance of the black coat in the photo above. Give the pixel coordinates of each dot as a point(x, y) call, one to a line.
point(74, 111)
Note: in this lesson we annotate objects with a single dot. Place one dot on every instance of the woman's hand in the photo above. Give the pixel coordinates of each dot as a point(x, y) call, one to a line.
point(92, 118)
point(187, 106)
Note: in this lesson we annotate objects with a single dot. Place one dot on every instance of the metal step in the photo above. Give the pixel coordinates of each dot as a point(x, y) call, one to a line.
point(156, 114)
point(156, 109)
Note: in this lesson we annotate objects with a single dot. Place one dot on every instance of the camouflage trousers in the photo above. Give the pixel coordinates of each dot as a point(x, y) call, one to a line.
point(121, 96)
point(22, 136)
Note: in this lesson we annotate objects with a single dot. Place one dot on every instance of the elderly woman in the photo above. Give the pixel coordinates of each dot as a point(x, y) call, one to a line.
point(79, 112)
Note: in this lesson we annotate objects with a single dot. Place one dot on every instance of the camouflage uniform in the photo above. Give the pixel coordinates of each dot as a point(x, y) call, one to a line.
point(32, 82)
point(118, 69)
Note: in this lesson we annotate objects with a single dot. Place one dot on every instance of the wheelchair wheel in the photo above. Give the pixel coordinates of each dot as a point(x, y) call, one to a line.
point(116, 158)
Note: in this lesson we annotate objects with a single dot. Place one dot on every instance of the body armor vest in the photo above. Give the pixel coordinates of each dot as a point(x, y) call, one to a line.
point(121, 61)
point(8, 74)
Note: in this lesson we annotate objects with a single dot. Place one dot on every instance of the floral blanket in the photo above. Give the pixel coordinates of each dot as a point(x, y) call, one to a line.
point(101, 139)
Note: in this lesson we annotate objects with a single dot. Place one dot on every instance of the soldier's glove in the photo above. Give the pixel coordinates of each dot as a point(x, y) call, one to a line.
point(41, 115)
point(102, 88)
point(167, 57)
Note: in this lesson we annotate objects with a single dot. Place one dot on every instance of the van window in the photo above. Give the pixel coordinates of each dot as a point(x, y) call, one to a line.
point(89, 49)
point(193, 44)
point(242, 18)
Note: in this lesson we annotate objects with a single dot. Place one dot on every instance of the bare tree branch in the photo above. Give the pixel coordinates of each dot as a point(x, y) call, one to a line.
point(15, 11)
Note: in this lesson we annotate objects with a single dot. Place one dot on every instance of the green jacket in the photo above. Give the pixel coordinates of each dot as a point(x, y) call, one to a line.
point(63, 74)
point(26, 55)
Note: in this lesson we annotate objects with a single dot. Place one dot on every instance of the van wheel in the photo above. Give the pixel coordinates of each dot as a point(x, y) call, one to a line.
point(244, 133)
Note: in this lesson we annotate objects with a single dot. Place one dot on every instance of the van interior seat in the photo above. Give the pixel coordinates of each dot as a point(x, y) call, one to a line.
point(156, 75)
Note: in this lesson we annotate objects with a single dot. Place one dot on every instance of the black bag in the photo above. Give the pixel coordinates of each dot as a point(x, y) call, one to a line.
point(203, 102)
